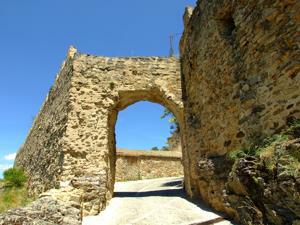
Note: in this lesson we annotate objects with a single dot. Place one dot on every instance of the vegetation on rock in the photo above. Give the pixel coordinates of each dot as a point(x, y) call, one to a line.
point(174, 126)
point(264, 147)
point(14, 177)
point(263, 185)
point(13, 191)
point(164, 148)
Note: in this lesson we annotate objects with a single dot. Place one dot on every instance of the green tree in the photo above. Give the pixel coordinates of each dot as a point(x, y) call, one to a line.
point(165, 148)
point(154, 149)
point(14, 177)
point(174, 126)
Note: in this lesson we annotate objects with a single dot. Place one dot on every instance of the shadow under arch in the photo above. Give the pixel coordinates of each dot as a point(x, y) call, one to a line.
point(127, 98)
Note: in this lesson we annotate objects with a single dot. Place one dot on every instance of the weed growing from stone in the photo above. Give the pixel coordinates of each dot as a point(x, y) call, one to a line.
point(259, 148)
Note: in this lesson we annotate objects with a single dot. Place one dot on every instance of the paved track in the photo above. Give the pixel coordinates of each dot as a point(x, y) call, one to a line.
point(154, 202)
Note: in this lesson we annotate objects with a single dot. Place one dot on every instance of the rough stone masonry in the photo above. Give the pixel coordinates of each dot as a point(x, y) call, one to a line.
point(240, 79)
point(240, 82)
point(140, 165)
point(72, 141)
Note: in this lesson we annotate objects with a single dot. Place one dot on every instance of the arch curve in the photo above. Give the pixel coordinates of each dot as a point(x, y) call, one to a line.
point(127, 98)
point(100, 88)
point(74, 131)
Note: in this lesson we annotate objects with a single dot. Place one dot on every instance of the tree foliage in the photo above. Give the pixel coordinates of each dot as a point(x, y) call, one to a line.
point(14, 177)
point(174, 126)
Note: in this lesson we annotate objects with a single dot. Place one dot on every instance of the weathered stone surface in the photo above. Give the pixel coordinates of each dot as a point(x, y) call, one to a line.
point(72, 141)
point(213, 173)
point(139, 165)
point(42, 154)
point(269, 195)
point(240, 82)
point(44, 211)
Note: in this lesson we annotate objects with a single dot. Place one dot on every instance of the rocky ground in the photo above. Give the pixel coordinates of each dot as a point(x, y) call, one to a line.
point(44, 211)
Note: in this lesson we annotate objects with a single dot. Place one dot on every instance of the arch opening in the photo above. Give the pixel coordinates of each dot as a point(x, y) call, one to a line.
point(148, 145)
point(144, 126)
point(125, 100)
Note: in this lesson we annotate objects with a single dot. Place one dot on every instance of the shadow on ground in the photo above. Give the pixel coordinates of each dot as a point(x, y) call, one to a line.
point(178, 192)
point(177, 183)
point(161, 193)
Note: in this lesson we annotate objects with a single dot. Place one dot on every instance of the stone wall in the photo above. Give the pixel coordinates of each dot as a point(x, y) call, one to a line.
point(139, 165)
point(72, 141)
point(42, 153)
point(240, 81)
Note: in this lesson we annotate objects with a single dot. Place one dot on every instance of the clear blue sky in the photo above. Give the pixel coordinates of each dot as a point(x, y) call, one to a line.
point(35, 36)
point(140, 127)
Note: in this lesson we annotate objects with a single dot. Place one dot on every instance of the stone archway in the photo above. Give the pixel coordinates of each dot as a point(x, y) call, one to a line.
point(127, 98)
point(74, 131)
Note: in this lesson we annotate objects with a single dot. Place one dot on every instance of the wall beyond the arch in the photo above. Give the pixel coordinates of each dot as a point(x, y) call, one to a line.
point(140, 165)
point(240, 82)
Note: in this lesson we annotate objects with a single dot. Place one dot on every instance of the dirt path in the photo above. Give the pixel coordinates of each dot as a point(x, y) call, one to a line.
point(153, 202)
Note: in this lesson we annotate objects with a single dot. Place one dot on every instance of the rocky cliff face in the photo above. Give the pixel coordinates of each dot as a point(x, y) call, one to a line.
point(240, 81)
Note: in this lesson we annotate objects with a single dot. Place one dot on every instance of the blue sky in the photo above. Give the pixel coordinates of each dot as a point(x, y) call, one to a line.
point(140, 126)
point(35, 36)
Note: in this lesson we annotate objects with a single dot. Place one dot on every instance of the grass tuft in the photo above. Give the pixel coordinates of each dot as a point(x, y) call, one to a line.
point(264, 148)
point(13, 198)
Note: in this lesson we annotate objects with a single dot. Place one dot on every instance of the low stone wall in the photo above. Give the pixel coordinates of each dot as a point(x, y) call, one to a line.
point(139, 165)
